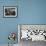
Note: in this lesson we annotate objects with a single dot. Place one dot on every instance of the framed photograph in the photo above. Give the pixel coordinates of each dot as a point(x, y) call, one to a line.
point(10, 11)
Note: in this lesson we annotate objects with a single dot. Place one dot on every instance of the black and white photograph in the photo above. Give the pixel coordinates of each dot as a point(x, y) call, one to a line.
point(10, 11)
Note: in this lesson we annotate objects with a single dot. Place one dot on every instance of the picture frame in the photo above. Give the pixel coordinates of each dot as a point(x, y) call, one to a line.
point(10, 11)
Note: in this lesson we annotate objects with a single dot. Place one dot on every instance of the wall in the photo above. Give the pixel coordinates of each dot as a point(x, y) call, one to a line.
point(7, 25)
point(32, 11)
point(29, 12)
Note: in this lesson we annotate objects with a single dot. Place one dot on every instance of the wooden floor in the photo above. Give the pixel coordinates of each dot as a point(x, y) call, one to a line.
point(30, 43)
